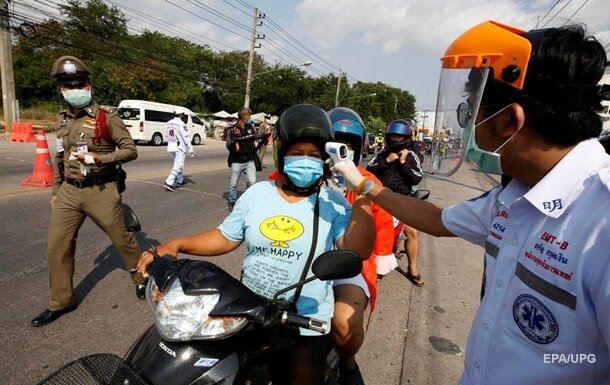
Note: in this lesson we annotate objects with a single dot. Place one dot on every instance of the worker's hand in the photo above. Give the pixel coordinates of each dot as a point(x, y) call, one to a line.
point(52, 201)
point(191, 153)
point(350, 173)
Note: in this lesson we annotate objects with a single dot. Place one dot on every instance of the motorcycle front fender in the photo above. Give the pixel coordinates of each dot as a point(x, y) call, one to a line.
point(178, 363)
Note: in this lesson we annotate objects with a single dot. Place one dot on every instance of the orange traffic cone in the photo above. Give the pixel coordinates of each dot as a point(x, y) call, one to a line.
point(43, 168)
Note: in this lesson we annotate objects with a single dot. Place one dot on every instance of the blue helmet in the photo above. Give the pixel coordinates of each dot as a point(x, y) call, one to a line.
point(398, 127)
point(349, 127)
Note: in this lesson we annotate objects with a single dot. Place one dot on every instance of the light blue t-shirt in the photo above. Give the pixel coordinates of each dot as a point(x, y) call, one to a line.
point(278, 239)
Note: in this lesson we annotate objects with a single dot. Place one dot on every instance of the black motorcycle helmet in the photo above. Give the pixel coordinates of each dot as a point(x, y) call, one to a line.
point(398, 127)
point(301, 123)
point(348, 125)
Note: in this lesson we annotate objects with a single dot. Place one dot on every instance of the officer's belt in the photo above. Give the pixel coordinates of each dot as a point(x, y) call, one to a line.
point(90, 182)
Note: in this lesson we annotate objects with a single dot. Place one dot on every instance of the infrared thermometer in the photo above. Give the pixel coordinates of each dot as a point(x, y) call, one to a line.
point(337, 152)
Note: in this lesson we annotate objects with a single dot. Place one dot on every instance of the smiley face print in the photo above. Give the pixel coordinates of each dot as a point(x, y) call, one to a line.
point(281, 229)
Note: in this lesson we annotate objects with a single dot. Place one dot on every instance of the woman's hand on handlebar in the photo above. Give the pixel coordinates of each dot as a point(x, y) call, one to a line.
point(147, 257)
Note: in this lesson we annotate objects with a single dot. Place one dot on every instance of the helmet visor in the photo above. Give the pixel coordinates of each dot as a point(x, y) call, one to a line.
point(459, 96)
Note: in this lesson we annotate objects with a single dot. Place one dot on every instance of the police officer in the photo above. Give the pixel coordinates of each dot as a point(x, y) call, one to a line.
point(91, 142)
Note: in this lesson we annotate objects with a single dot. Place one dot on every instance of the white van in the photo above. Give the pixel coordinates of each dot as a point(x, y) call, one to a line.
point(146, 120)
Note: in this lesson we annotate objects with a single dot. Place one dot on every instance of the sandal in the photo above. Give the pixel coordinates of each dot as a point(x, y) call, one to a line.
point(415, 279)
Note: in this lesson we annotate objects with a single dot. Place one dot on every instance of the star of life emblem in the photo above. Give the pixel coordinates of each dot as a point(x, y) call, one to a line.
point(69, 67)
point(534, 319)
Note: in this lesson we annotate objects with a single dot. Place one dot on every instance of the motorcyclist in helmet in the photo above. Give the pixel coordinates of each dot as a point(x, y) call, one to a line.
point(293, 204)
point(399, 168)
point(351, 295)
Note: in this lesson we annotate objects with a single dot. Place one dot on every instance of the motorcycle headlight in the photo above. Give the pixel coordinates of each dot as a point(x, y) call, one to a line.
point(182, 317)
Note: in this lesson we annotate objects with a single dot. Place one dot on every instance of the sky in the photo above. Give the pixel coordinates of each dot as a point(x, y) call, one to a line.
point(397, 42)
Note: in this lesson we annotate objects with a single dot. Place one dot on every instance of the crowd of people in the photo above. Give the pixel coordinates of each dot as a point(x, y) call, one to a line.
point(528, 114)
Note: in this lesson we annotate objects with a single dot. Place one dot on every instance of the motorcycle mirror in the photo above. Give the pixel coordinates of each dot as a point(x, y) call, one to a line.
point(337, 264)
point(131, 221)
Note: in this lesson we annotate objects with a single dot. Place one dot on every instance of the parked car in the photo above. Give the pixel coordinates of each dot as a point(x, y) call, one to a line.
point(146, 120)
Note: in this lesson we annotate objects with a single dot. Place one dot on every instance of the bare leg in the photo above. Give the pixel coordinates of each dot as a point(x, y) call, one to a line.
point(412, 249)
point(347, 323)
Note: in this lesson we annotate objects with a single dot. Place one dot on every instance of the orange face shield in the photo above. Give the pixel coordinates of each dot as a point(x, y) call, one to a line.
point(492, 45)
point(489, 47)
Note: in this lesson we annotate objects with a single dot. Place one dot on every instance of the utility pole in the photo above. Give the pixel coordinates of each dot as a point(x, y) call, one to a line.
point(395, 104)
point(338, 87)
point(425, 114)
point(6, 69)
point(253, 38)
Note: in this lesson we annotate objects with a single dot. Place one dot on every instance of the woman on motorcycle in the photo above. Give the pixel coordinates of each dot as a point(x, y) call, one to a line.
point(352, 294)
point(286, 223)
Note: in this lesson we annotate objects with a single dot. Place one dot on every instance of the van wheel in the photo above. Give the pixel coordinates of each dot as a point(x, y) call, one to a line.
point(196, 140)
point(157, 139)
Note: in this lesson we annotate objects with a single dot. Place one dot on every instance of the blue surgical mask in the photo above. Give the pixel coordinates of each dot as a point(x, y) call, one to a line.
point(488, 161)
point(78, 98)
point(250, 122)
point(350, 155)
point(303, 171)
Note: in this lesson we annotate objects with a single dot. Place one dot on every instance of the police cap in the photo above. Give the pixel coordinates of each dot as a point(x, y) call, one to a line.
point(71, 70)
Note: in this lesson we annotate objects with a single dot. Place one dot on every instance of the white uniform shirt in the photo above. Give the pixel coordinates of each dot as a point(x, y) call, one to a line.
point(545, 317)
point(177, 136)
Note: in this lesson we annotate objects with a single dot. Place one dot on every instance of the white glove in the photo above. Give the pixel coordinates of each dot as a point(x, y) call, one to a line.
point(353, 179)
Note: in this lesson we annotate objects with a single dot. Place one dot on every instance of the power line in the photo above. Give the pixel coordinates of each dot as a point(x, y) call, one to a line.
point(558, 12)
point(575, 12)
point(304, 49)
point(547, 13)
point(174, 28)
point(209, 21)
point(237, 8)
point(220, 15)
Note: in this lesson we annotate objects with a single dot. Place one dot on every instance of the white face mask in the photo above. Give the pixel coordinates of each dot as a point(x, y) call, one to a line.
point(350, 155)
point(77, 97)
point(488, 161)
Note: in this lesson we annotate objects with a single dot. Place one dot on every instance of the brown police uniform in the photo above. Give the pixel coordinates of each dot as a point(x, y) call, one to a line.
point(80, 196)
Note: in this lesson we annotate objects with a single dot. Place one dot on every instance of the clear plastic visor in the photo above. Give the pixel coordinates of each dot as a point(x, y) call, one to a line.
point(459, 97)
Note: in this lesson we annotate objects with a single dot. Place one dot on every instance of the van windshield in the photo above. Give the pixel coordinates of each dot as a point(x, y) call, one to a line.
point(129, 113)
point(196, 120)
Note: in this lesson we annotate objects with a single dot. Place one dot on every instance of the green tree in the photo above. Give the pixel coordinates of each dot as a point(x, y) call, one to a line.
point(375, 125)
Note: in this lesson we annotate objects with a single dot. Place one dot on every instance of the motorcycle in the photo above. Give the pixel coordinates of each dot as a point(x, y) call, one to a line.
point(209, 328)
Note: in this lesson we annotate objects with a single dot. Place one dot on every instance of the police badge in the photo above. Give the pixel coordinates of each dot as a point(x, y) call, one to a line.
point(69, 67)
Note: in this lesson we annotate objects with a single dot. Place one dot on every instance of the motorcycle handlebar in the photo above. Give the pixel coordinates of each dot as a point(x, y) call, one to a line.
point(305, 322)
